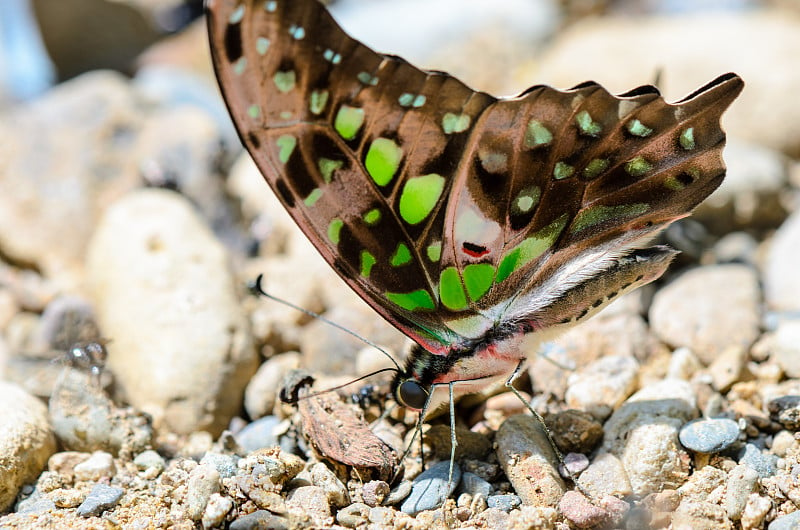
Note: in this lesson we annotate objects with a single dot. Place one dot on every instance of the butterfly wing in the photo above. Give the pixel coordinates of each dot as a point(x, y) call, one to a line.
point(556, 186)
point(428, 197)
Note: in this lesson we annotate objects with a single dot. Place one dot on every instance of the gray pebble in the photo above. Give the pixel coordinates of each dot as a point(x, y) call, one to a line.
point(431, 488)
point(709, 435)
point(36, 503)
point(786, 522)
point(474, 485)
point(505, 502)
point(101, 498)
point(260, 520)
point(226, 465)
point(258, 434)
point(766, 465)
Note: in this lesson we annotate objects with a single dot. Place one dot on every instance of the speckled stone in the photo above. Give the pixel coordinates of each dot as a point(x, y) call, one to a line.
point(216, 510)
point(99, 465)
point(643, 434)
point(709, 435)
point(204, 480)
point(529, 462)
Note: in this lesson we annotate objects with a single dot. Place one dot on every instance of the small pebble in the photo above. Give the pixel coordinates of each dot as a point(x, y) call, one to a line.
point(709, 435)
point(575, 463)
point(399, 492)
point(216, 511)
point(323, 477)
point(786, 522)
point(353, 516)
point(431, 488)
point(786, 411)
point(374, 492)
point(766, 465)
point(224, 464)
point(505, 502)
point(742, 481)
point(260, 520)
point(381, 516)
point(474, 485)
point(149, 460)
point(99, 465)
point(204, 480)
point(311, 500)
point(101, 498)
point(580, 511)
point(259, 434)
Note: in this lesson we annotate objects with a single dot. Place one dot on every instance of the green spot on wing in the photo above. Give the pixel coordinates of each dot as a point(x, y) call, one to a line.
point(286, 145)
point(451, 291)
point(419, 196)
point(595, 215)
point(334, 230)
point(478, 279)
point(313, 197)
point(527, 199)
point(237, 15)
point(240, 65)
point(537, 134)
point(586, 125)
point(348, 121)
point(284, 81)
point(687, 139)
point(562, 170)
point(406, 99)
point(419, 299)
point(455, 123)
point(531, 248)
point(595, 168)
point(383, 160)
point(638, 166)
point(637, 128)
point(401, 256)
point(254, 111)
point(372, 217)
point(419, 101)
point(319, 98)
point(327, 167)
point(367, 261)
point(434, 251)
point(262, 45)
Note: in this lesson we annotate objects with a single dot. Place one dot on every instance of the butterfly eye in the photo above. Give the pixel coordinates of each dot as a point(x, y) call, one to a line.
point(412, 395)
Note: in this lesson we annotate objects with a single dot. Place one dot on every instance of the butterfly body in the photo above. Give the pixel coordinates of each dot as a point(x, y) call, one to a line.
point(465, 220)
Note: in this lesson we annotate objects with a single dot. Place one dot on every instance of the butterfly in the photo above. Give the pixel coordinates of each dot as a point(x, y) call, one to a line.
point(467, 221)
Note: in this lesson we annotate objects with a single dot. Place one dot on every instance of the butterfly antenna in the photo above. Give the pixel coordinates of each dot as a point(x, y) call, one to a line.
point(292, 400)
point(255, 288)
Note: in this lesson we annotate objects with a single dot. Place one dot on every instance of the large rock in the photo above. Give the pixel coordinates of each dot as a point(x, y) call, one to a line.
point(180, 345)
point(709, 309)
point(26, 440)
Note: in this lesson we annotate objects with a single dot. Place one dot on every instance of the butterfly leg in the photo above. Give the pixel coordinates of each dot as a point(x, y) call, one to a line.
point(453, 440)
point(509, 383)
